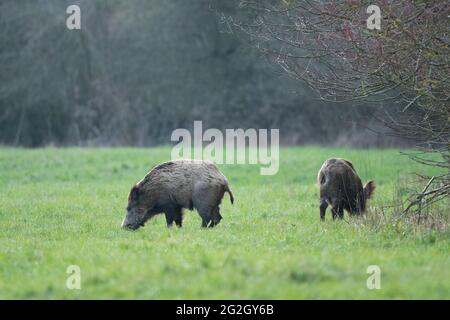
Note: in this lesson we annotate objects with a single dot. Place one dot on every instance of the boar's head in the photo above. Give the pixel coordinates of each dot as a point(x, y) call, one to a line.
point(138, 210)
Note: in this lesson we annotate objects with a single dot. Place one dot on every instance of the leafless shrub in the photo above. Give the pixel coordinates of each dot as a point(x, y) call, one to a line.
point(394, 214)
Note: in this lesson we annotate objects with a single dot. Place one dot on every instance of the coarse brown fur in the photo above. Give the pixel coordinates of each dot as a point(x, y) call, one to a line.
point(174, 185)
point(341, 188)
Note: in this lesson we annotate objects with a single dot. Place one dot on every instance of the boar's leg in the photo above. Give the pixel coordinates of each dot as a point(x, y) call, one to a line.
point(206, 216)
point(205, 199)
point(323, 208)
point(179, 220)
point(173, 214)
point(169, 219)
point(337, 209)
point(205, 213)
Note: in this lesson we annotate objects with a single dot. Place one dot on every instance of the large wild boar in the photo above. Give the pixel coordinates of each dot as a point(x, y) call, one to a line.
point(341, 188)
point(174, 185)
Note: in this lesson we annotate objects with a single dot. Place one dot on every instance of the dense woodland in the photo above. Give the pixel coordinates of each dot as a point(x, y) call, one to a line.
point(139, 69)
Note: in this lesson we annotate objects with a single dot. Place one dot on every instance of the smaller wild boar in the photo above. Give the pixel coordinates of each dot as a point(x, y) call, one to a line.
point(341, 188)
point(174, 185)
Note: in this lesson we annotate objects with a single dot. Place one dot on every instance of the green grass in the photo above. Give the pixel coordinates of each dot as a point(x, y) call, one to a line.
point(62, 207)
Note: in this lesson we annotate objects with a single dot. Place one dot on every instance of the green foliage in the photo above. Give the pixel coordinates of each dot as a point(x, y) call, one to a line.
point(64, 206)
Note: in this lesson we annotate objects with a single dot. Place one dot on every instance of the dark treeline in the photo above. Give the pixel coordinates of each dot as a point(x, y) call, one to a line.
point(139, 69)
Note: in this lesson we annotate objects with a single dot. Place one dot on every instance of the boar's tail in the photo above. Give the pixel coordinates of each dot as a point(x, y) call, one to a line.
point(227, 189)
point(369, 188)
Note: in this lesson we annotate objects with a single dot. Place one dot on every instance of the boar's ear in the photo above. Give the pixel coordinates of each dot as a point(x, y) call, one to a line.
point(134, 193)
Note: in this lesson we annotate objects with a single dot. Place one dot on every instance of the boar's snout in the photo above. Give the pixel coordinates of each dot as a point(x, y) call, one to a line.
point(132, 221)
point(128, 226)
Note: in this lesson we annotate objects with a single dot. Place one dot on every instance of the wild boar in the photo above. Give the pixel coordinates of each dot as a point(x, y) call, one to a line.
point(174, 185)
point(341, 188)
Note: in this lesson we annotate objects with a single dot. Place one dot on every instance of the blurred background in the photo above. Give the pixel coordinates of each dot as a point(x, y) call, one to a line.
point(139, 69)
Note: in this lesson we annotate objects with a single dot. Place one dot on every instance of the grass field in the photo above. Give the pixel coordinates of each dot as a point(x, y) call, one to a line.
point(62, 207)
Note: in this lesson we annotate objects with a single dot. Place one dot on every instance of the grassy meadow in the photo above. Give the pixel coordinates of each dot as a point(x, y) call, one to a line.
point(61, 207)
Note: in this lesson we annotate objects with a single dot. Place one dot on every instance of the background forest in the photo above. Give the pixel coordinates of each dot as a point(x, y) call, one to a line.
point(139, 69)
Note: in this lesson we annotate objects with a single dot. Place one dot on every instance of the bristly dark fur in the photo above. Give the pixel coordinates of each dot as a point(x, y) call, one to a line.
point(174, 185)
point(341, 188)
